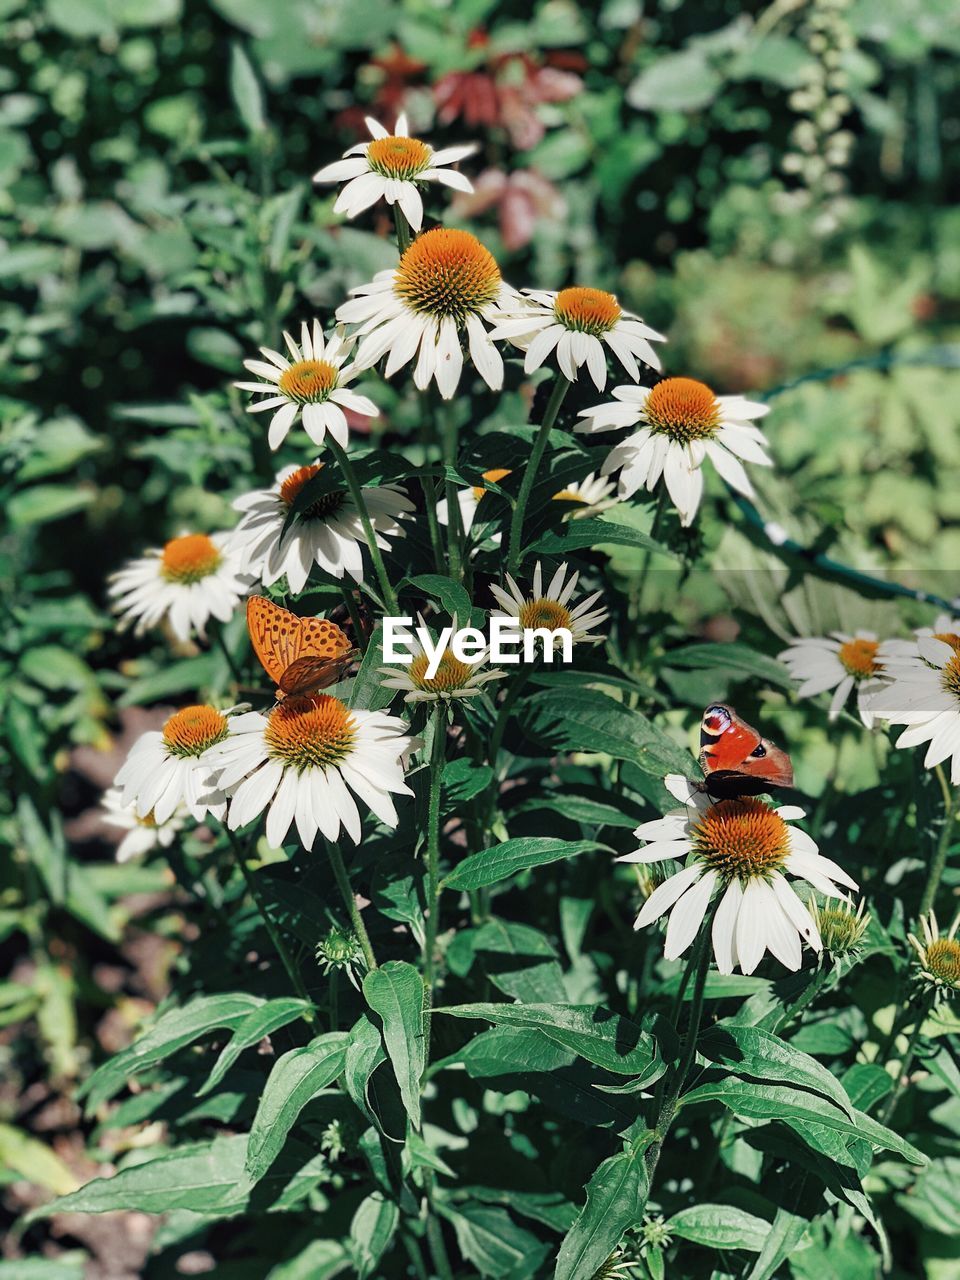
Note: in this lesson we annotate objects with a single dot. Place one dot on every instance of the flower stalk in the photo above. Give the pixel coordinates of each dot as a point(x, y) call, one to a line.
point(350, 902)
point(356, 493)
point(557, 395)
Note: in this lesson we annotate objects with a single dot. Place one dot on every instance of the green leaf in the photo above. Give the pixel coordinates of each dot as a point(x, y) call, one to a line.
point(775, 1102)
point(367, 690)
point(507, 859)
point(490, 1240)
point(587, 720)
point(750, 1051)
point(607, 1039)
point(736, 659)
point(174, 678)
point(65, 1266)
point(173, 1030)
point(590, 532)
point(785, 1235)
point(245, 90)
point(34, 1161)
point(451, 595)
point(682, 81)
point(296, 1077)
point(206, 1178)
point(720, 1226)
point(365, 1052)
point(258, 1023)
point(43, 503)
point(396, 993)
point(462, 779)
point(371, 1231)
point(320, 1260)
point(616, 1196)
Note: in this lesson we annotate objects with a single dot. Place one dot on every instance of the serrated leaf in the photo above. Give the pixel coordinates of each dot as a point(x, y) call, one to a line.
point(395, 992)
point(512, 856)
point(776, 1102)
point(720, 1226)
point(172, 1031)
point(607, 1039)
point(257, 1024)
point(616, 1195)
point(296, 1077)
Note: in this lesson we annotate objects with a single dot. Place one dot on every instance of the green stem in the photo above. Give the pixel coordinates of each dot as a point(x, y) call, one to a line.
point(355, 620)
point(560, 389)
point(334, 1000)
point(454, 523)
point(514, 689)
point(356, 493)
point(350, 902)
point(433, 861)
point(403, 230)
point(805, 998)
point(942, 846)
point(658, 513)
point(909, 1053)
point(231, 662)
point(293, 973)
point(438, 1250)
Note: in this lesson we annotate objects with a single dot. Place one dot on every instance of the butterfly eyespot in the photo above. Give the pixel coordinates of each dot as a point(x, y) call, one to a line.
point(759, 752)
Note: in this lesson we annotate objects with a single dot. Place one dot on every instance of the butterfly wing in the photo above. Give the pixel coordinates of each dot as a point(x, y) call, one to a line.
point(736, 760)
point(280, 638)
point(310, 675)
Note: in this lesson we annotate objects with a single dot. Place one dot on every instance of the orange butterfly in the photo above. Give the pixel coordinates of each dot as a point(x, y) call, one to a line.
point(300, 655)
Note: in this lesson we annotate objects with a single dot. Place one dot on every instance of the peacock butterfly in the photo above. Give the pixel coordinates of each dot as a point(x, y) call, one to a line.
point(736, 760)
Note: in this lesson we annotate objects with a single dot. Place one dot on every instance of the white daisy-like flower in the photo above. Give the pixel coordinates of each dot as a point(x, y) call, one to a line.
point(842, 663)
point(587, 497)
point(452, 680)
point(446, 289)
point(186, 582)
point(305, 761)
point(742, 849)
point(683, 423)
point(550, 608)
point(142, 834)
point(312, 383)
point(390, 168)
point(468, 500)
point(923, 693)
point(328, 533)
point(170, 768)
point(579, 325)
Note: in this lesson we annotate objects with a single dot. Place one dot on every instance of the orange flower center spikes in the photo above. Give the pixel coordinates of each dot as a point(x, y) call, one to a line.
point(741, 839)
point(943, 960)
point(189, 732)
point(310, 733)
point(308, 381)
point(547, 614)
point(401, 158)
point(683, 409)
point(325, 504)
point(859, 658)
point(451, 674)
point(494, 475)
point(950, 676)
point(190, 558)
point(588, 310)
point(447, 273)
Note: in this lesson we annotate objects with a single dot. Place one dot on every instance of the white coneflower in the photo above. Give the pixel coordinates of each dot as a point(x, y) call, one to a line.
point(452, 680)
point(550, 607)
point(142, 834)
point(328, 533)
point(587, 497)
point(741, 848)
point(186, 582)
point(312, 383)
point(170, 768)
point(683, 423)
point(938, 957)
point(445, 290)
point(842, 663)
point(923, 692)
point(390, 167)
point(468, 500)
point(305, 760)
point(579, 325)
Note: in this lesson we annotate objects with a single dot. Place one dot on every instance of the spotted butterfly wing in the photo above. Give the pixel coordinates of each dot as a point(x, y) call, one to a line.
point(300, 655)
point(736, 760)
